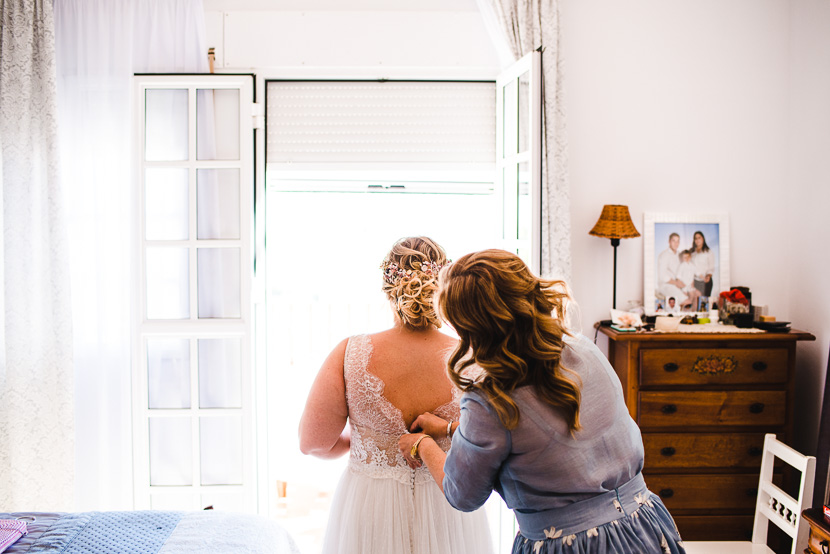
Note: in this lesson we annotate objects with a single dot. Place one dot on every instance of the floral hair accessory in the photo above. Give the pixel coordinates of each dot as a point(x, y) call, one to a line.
point(392, 273)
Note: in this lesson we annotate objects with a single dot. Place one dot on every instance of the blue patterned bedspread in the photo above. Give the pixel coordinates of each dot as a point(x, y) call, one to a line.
point(151, 532)
point(93, 532)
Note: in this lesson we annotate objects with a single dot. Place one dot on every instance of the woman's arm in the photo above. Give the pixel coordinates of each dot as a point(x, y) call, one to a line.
point(433, 425)
point(323, 431)
point(467, 475)
point(429, 453)
point(710, 267)
point(480, 446)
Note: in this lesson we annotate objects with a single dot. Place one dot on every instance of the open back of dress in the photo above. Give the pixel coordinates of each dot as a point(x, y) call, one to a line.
point(381, 505)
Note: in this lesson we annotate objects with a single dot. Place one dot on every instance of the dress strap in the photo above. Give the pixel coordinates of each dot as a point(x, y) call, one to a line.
point(358, 352)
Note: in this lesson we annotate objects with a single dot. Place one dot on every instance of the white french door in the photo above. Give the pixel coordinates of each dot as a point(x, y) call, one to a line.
point(519, 185)
point(519, 157)
point(193, 378)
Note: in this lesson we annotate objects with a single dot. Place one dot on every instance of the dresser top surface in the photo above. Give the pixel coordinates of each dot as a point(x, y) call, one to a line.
point(816, 517)
point(658, 336)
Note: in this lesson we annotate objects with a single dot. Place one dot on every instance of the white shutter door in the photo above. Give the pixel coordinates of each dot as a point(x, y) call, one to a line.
point(401, 136)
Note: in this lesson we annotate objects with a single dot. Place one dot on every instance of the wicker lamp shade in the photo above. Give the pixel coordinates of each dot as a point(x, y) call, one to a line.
point(614, 223)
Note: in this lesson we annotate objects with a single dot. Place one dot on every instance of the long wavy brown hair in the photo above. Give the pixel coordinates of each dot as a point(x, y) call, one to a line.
point(511, 324)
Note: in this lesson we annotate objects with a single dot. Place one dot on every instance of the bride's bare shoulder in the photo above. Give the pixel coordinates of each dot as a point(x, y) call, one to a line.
point(397, 336)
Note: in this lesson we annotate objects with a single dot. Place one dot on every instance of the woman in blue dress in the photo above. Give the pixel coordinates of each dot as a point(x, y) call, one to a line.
point(543, 422)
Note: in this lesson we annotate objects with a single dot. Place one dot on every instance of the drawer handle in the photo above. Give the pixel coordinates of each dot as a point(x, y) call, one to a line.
point(669, 409)
point(671, 366)
point(759, 366)
point(666, 493)
point(825, 547)
point(668, 451)
point(755, 450)
point(756, 408)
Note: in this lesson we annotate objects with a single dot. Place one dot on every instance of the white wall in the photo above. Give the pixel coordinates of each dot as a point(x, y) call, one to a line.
point(808, 197)
point(672, 106)
point(366, 38)
point(676, 107)
point(698, 107)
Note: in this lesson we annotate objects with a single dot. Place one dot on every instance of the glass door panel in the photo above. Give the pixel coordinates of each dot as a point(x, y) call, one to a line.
point(217, 204)
point(166, 204)
point(221, 450)
point(220, 373)
point(510, 198)
point(218, 281)
point(524, 204)
point(510, 115)
point(523, 121)
point(168, 373)
point(170, 451)
point(217, 124)
point(166, 118)
point(168, 283)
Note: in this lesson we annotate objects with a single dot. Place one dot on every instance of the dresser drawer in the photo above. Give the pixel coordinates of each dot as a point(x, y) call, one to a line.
point(819, 530)
point(715, 528)
point(706, 492)
point(711, 409)
point(673, 366)
point(703, 450)
point(817, 542)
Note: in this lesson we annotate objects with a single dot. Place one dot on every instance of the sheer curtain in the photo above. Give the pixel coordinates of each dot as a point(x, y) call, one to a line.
point(36, 401)
point(525, 25)
point(100, 44)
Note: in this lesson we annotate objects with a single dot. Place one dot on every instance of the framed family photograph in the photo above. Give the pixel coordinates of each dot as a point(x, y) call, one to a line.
point(685, 262)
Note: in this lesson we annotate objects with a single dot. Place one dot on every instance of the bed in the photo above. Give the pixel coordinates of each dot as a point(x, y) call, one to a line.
point(149, 532)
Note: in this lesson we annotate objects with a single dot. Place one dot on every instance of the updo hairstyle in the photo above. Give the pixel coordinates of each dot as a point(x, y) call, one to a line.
point(510, 323)
point(411, 289)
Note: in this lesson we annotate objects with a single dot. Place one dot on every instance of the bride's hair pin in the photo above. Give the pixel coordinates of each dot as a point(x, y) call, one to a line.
point(392, 273)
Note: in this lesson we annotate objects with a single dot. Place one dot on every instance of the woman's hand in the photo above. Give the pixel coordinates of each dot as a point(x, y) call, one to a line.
point(430, 424)
point(405, 446)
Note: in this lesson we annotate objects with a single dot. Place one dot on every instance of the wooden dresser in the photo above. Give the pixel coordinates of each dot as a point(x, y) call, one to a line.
point(703, 403)
point(819, 542)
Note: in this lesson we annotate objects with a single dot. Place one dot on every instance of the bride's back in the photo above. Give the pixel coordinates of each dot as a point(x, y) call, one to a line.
point(390, 379)
point(394, 376)
point(413, 368)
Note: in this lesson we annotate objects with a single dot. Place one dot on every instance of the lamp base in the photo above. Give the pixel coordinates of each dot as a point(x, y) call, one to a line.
point(615, 243)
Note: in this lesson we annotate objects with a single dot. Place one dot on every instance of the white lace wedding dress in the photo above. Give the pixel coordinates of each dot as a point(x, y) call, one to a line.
point(381, 505)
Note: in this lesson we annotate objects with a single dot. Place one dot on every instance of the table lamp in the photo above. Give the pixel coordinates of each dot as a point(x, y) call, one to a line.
point(614, 223)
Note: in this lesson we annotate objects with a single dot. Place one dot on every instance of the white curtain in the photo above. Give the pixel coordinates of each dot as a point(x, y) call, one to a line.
point(525, 26)
point(100, 44)
point(36, 385)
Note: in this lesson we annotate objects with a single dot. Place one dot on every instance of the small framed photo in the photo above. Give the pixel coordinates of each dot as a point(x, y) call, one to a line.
point(685, 262)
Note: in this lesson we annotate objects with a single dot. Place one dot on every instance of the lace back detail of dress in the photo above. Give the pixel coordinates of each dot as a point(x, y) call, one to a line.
point(376, 424)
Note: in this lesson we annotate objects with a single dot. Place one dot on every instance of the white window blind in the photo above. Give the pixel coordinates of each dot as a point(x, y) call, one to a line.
point(397, 124)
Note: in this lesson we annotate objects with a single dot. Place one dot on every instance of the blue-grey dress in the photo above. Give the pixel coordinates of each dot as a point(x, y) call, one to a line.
point(582, 493)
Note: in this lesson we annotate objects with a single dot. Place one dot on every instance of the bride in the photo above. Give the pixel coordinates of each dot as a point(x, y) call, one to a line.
point(379, 384)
